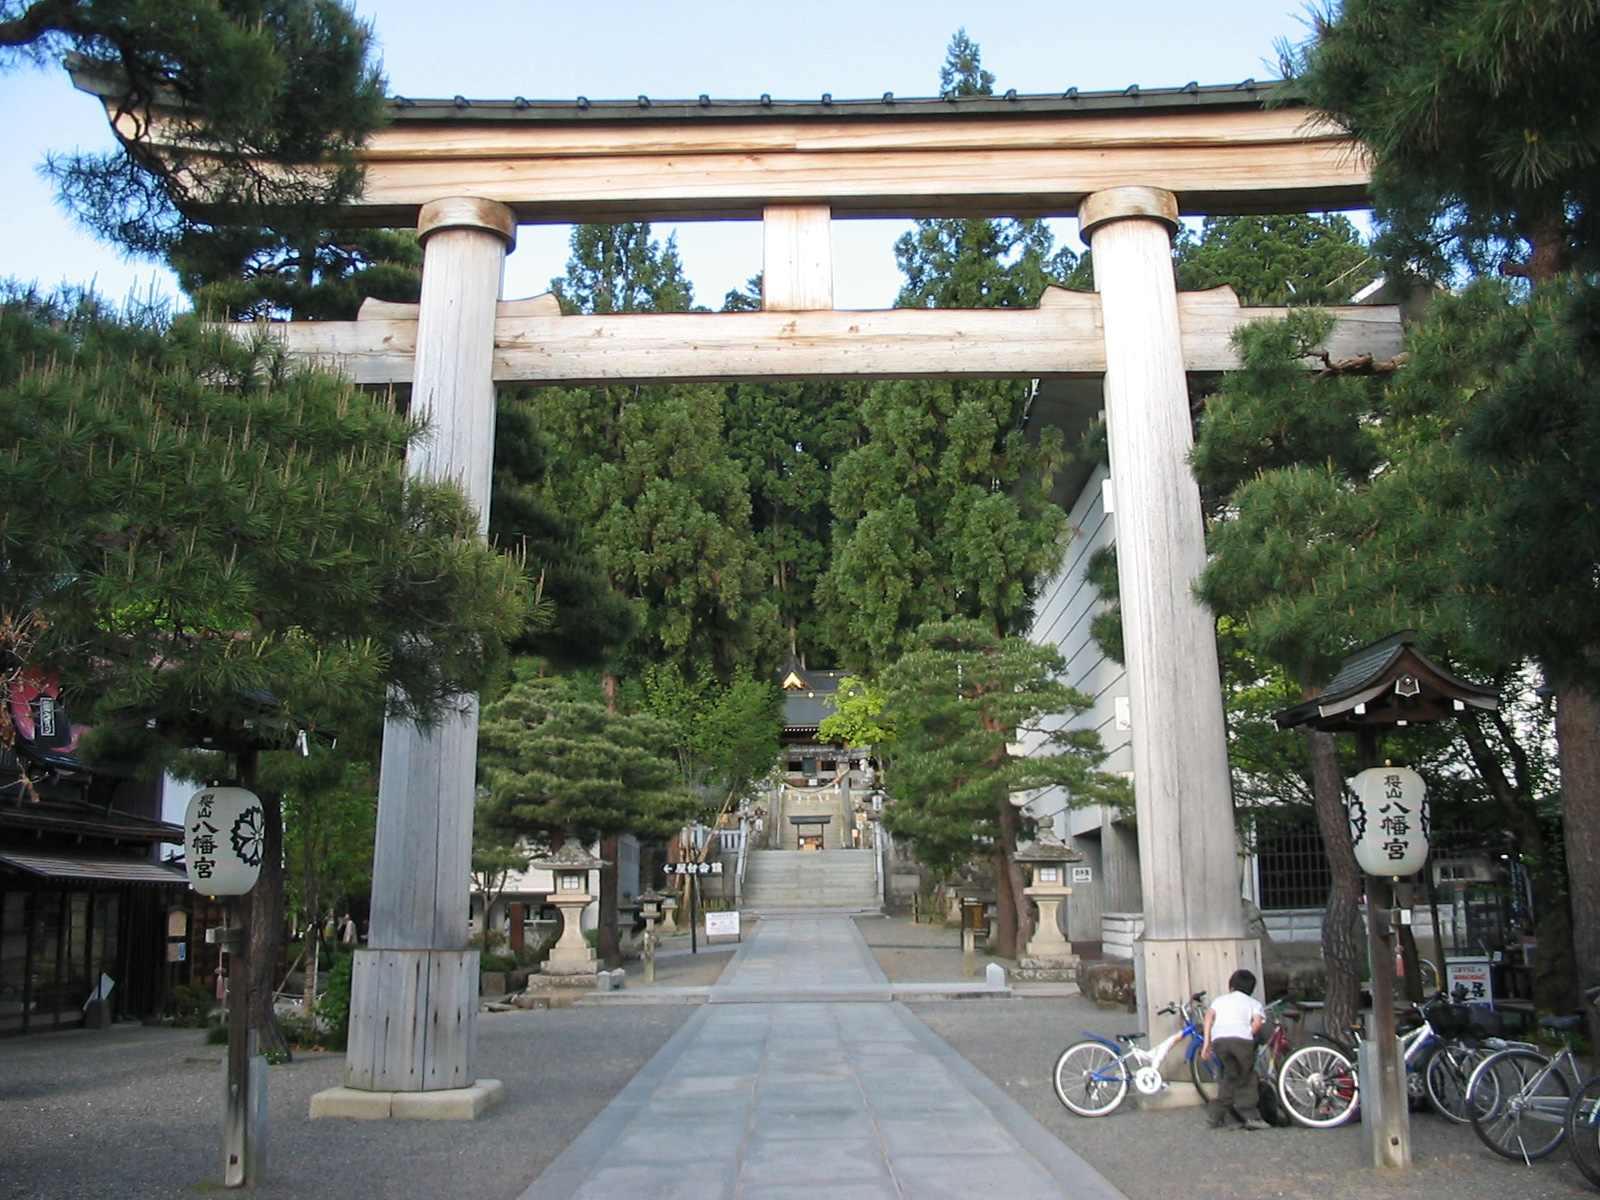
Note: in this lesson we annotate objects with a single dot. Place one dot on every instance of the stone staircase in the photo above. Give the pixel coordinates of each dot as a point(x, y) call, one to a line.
point(810, 879)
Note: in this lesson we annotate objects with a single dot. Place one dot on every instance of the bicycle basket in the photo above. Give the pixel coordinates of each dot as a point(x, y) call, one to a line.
point(1451, 1020)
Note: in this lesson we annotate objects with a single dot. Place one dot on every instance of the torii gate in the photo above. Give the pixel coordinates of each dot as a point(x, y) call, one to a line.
point(466, 173)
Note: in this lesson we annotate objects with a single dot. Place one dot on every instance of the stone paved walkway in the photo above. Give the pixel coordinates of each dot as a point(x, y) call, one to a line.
point(802, 1079)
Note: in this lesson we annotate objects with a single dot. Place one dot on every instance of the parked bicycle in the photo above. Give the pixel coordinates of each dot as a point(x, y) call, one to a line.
point(1523, 1104)
point(1092, 1076)
point(1318, 1084)
point(1519, 1097)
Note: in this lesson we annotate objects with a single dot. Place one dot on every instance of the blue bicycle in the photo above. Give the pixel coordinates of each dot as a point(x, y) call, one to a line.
point(1092, 1076)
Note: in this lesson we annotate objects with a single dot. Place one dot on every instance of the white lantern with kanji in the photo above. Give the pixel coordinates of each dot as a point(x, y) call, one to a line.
point(224, 833)
point(1389, 819)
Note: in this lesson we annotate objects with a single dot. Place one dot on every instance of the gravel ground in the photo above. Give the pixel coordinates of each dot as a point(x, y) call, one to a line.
point(132, 1113)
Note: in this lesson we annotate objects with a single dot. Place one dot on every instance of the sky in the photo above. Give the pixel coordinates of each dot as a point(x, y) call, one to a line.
point(729, 49)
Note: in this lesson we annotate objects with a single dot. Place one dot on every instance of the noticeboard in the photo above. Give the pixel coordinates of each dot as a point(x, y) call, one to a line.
point(722, 924)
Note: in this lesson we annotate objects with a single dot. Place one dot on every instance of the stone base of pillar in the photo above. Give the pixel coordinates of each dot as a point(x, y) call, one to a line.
point(1046, 968)
point(454, 1104)
point(1168, 969)
point(574, 979)
point(412, 1021)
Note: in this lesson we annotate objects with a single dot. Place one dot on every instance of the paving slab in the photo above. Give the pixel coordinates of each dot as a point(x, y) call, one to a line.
point(824, 1085)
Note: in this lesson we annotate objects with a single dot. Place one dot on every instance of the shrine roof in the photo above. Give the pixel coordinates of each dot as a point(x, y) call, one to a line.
point(1131, 100)
point(1390, 682)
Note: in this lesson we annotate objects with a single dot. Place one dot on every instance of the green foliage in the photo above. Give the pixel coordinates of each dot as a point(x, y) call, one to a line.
point(190, 1005)
point(962, 697)
point(1324, 538)
point(295, 271)
point(554, 764)
point(589, 620)
point(1480, 117)
point(1535, 578)
point(223, 527)
point(622, 269)
point(333, 1009)
point(942, 513)
point(1298, 258)
point(859, 717)
point(788, 438)
point(725, 735)
point(649, 474)
point(330, 811)
point(274, 99)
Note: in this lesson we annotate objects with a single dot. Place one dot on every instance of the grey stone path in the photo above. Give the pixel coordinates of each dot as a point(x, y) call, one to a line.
point(775, 1091)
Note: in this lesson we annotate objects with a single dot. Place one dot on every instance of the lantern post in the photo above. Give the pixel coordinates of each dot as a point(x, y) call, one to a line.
point(224, 834)
point(1387, 685)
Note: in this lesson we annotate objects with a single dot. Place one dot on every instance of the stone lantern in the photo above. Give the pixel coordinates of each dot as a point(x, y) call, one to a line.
point(651, 910)
point(1048, 955)
point(570, 963)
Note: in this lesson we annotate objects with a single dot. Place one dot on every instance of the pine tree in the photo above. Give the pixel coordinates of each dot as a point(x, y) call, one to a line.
point(557, 765)
point(960, 699)
point(231, 547)
point(275, 97)
point(1485, 138)
point(1343, 510)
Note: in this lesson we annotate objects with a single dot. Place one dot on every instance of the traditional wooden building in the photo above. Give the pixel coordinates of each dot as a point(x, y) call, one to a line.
point(85, 903)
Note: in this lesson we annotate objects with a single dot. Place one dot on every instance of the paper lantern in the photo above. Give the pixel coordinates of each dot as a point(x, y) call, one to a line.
point(1388, 809)
point(224, 833)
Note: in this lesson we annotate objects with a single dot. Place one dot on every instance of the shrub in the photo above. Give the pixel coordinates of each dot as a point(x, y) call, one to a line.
point(497, 962)
point(190, 1005)
point(333, 1009)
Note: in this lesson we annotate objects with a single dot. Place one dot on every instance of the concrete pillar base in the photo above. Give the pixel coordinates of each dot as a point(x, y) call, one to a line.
point(454, 1104)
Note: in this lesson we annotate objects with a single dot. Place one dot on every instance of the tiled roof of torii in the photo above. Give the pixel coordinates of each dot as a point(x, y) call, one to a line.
point(1129, 100)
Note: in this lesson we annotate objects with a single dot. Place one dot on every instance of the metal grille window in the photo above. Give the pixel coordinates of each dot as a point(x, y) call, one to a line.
point(1291, 863)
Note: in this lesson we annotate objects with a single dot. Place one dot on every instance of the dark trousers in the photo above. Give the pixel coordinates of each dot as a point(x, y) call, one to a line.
point(1238, 1089)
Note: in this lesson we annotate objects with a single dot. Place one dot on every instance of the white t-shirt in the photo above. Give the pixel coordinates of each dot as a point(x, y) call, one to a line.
point(1234, 1016)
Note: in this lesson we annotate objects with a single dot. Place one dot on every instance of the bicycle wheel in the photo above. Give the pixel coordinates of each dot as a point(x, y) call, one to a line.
point(1318, 1086)
point(1089, 1079)
point(1528, 1117)
point(1448, 1069)
point(1207, 1076)
point(1583, 1130)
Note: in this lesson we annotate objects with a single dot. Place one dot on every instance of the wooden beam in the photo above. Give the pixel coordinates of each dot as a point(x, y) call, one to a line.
point(797, 258)
point(535, 344)
point(1238, 160)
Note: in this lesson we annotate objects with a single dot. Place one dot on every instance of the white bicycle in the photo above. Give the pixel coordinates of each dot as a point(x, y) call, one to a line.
point(1092, 1076)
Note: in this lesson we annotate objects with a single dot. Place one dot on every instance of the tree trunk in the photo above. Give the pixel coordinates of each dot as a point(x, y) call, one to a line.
point(265, 921)
point(1553, 973)
point(1578, 738)
point(1342, 950)
point(1009, 883)
point(608, 944)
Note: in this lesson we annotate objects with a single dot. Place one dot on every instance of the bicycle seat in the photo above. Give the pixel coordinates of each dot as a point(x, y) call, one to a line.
point(1561, 1024)
point(1130, 1038)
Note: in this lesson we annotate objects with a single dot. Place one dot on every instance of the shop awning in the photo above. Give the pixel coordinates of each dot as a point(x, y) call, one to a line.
point(105, 870)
